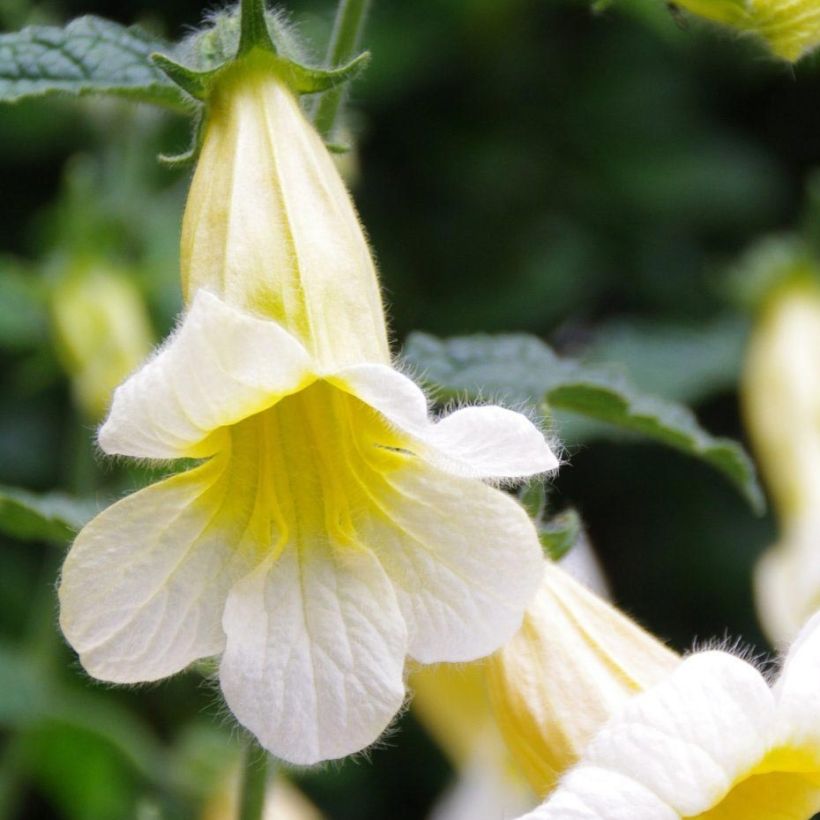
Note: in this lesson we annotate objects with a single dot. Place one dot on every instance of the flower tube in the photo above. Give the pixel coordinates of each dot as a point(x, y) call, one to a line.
point(573, 664)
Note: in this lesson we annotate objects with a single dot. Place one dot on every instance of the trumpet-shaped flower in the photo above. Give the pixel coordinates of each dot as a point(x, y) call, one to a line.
point(713, 741)
point(332, 528)
point(575, 661)
point(781, 403)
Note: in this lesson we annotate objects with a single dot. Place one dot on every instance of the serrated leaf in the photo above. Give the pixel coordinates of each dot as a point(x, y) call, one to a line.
point(90, 55)
point(50, 517)
point(518, 368)
point(560, 534)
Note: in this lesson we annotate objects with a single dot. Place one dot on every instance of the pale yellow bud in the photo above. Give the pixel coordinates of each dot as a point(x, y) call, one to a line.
point(102, 332)
point(574, 662)
point(791, 28)
point(270, 227)
point(780, 394)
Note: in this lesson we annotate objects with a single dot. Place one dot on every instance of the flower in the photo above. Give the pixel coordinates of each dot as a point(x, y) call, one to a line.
point(713, 741)
point(332, 528)
point(791, 28)
point(575, 661)
point(781, 404)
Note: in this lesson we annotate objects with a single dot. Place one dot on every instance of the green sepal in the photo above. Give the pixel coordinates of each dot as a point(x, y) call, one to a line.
point(306, 80)
point(253, 28)
point(187, 158)
point(195, 83)
point(560, 533)
point(533, 498)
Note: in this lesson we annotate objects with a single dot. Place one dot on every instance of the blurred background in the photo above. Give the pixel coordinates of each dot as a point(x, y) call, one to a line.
point(525, 165)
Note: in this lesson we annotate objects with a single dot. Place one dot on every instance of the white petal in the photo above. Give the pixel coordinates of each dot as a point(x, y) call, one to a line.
point(590, 793)
point(464, 557)
point(219, 367)
point(476, 442)
point(797, 690)
point(689, 738)
point(144, 585)
point(315, 652)
point(490, 442)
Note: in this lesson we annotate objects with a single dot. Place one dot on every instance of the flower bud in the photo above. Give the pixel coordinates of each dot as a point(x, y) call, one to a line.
point(102, 333)
point(574, 662)
point(781, 396)
point(269, 226)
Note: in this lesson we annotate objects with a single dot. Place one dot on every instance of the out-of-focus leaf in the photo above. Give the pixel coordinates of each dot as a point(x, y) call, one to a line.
point(90, 55)
point(48, 517)
point(29, 698)
point(202, 755)
point(23, 318)
point(560, 533)
point(23, 693)
point(677, 362)
point(80, 772)
point(522, 369)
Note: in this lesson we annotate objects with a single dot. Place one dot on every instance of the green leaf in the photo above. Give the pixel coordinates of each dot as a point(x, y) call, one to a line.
point(49, 517)
point(679, 362)
point(522, 369)
point(560, 534)
point(88, 56)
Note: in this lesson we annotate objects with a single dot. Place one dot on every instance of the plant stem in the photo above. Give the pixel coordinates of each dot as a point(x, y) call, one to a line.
point(344, 43)
point(254, 782)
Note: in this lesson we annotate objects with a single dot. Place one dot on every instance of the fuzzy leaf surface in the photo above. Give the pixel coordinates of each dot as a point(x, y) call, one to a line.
point(89, 55)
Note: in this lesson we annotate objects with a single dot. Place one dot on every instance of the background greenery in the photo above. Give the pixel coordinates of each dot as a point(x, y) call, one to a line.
point(522, 165)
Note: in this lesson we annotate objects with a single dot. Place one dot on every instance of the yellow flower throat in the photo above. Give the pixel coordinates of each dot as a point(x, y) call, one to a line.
point(306, 469)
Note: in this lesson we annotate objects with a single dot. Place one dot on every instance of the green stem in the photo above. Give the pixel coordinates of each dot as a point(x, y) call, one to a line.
point(254, 782)
point(344, 43)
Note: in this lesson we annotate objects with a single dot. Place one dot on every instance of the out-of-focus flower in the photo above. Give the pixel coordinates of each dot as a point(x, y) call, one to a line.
point(574, 663)
point(781, 404)
point(453, 703)
point(102, 332)
point(790, 28)
point(712, 741)
point(333, 528)
point(283, 801)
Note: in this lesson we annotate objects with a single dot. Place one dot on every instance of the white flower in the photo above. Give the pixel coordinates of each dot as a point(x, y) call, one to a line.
point(713, 741)
point(333, 528)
